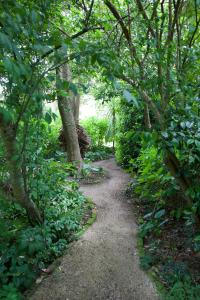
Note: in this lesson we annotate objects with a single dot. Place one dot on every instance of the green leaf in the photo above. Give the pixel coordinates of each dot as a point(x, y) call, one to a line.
point(159, 214)
point(165, 134)
point(197, 238)
point(130, 98)
point(63, 93)
point(189, 124)
point(190, 141)
point(48, 117)
point(5, 41)
point(5, 114)
point(73, 88)
point(197, 143)
point(8, 64)
point(183, 125)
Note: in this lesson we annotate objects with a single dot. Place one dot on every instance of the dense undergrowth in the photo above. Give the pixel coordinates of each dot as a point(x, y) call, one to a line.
point(26, 250)
point(168, 237)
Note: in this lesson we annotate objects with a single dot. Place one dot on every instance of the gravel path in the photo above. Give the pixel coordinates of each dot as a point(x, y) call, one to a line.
point(103, 264)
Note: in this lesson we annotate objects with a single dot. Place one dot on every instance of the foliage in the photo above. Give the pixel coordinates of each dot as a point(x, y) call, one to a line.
point(146, 261)
point(87, 169)
point(184, 136)
point(100, 153)
point(9, 292)
point(153, 180)
point(53, 147)
point(97, 130)
point(129, 133)
point(160, 198)
point(183, 291)
point(26, 250)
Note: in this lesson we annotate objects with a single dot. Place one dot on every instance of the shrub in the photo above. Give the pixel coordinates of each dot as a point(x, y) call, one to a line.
point(97, 130)
point(153, 180)
point(183, 291)
point(25, 250)
point(99, 154)
point(53, 146)
point(129, 133)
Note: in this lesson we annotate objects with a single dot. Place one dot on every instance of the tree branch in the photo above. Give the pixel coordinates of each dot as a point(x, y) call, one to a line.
point(143, 12)
point(192, 39)
point(125, 30)
point(74, 36)
point(89, 13)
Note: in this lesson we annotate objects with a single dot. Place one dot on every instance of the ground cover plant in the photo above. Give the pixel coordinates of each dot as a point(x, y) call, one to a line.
point(168, 239)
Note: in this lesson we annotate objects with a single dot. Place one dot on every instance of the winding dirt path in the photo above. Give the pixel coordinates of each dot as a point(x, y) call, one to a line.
point(103, 264)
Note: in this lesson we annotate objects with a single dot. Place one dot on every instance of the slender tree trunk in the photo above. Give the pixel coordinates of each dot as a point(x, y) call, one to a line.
point(13, 161)
point(66, 109)
point(171, 161)
point(114, 125)
point(174, 167)
point(147, 120)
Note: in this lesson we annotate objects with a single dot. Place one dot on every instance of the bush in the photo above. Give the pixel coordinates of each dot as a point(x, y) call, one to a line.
point(153, 180)
point(184, 291)
point(53, 145)
point(25, 250)
point(97, 129)
point(99, 154)
point(129, 133)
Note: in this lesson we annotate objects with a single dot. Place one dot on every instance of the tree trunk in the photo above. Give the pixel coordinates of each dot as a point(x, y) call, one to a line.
point(114, 125)
point(147, 121)
point(16, 178)
point(174, 167)
point(171, 161)
point(76, 106)
point(66, 108)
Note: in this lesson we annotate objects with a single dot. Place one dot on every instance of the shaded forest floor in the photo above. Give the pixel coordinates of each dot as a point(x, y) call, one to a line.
point(103, 264)
point(168, 251)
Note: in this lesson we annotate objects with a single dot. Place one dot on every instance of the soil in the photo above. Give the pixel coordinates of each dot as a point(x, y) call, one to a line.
point(103, 263)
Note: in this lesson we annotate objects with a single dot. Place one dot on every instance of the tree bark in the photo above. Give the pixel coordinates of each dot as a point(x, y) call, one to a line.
point(174, 167)
point(76, 106)
point(114, 125)
point(66, 108)
point(147, 120)
point(16, 178)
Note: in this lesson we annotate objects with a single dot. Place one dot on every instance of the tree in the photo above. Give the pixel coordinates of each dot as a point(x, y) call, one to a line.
point(24, 78)
point(156, 58)
point(69, 104)
point(69, 111)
